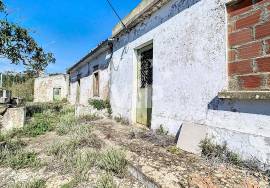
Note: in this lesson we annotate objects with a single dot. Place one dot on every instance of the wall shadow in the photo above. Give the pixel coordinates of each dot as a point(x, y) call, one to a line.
point(243, 106)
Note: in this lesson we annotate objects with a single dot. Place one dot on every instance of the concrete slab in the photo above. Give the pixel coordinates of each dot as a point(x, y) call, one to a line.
point(13, 118)
point(190, 137)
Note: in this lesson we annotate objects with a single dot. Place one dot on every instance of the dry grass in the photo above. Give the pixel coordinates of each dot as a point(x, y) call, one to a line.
point(113, 160)
point(40, 183)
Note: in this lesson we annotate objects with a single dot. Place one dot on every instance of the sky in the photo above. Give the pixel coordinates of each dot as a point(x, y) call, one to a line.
point(67, 28)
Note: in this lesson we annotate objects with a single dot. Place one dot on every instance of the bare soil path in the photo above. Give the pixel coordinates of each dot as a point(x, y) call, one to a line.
point(149, 153)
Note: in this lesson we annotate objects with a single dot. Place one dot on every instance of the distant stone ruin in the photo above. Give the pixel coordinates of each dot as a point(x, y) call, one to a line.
point(12, 115)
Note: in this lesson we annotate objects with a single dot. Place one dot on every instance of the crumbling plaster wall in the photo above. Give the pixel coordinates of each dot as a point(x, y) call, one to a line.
point(14, 118)
point(43, 87)
point(189, 69)
point(86, 80)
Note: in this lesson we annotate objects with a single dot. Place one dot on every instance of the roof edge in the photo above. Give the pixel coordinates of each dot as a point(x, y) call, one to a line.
point(145, 7)
point(104, 44)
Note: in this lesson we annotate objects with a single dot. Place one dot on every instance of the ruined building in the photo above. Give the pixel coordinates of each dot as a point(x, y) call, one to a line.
point(198, 68)
point(51, 88)
point(89, 78)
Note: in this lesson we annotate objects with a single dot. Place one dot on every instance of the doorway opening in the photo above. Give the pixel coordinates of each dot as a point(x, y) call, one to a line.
point(144, 85)
point(56, 94)
point(78, 91)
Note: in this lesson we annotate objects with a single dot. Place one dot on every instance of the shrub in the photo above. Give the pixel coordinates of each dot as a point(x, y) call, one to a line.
point(106, 181)
point(113, 160)
point(99, 104)
point(40, 183)
point(33, 108)
point(39, 124)
point(221, 152)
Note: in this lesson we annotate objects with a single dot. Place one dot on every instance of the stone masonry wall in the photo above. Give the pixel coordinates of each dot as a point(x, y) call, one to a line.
point(249, 45)
point(43, 87)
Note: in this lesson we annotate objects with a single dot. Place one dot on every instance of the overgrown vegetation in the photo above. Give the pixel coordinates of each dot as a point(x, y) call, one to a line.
point(106, 181)
point(34, 108)
point(113, 160)
point(12, 154)
point(39, 183)
point(220, 152)
point(23, 90)
point(42, 118)
point(99, 104)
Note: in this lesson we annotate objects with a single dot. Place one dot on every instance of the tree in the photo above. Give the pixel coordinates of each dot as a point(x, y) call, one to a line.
point(19, 47)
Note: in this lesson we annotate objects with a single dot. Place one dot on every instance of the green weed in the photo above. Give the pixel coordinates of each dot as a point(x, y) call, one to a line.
point(162, 131)
point(99, 104)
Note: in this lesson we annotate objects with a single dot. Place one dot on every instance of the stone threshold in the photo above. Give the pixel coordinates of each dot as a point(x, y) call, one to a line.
point(245, 95)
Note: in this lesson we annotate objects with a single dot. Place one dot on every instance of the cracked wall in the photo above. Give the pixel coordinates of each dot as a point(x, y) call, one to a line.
point(189, 69)
point(43, 87)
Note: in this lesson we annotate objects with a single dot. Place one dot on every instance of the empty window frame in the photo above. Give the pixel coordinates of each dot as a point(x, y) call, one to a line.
point(56, 94)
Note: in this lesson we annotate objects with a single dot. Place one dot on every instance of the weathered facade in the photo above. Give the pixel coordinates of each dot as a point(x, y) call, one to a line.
point(51, 88)
point(89, 78)
point(198, 68)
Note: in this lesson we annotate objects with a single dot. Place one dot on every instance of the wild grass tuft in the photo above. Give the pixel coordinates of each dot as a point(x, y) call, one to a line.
point(221, 152)
point(75, 161)
point(12, 155)
point(40, 183)
point(162, 131)
point(113, 160)
point(106, 181)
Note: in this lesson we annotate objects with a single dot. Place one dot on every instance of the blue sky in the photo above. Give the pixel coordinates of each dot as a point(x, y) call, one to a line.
point(67, 28)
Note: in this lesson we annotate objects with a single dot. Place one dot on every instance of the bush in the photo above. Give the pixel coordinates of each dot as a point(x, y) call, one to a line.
point(40, 183)
point(113, 160)
point(99, 104)
point(221, 152)
point(106, 181)
point(33, 108)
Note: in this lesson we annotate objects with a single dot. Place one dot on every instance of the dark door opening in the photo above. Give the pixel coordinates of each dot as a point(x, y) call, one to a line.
point(144, 85)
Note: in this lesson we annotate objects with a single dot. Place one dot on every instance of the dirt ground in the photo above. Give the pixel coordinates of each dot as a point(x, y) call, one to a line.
point(147, 153)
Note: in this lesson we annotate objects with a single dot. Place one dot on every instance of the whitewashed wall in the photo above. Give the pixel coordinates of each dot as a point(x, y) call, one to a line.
point(86, 81)
point(43, 87)
point(189, 69)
